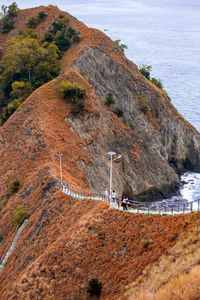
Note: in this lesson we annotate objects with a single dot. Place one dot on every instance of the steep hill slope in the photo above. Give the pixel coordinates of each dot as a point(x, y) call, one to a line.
point(67, 242)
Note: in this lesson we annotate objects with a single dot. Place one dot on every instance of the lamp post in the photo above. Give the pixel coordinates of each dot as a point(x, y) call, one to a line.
point(111, 154)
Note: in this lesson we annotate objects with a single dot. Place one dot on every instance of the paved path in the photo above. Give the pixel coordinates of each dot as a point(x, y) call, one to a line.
point(165, 207)
point(12, 245)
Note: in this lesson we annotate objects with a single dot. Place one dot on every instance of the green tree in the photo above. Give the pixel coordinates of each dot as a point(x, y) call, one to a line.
point(7, 14)
point(26, 60)
point(12, 10)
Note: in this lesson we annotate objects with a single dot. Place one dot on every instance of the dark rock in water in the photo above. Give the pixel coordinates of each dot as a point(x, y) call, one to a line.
point(183, 182)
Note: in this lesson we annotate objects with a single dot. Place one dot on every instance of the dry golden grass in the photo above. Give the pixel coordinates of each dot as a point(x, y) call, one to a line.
point(183, 287)
point(175, 276)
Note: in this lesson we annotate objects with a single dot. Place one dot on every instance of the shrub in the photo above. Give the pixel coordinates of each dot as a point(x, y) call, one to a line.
point(157, 82)
point(145, 243)
point(144, 104)
point(7, 25)
point(32, 23)
point(74, 94)
point(1, 237)
point(62, 34)
point(118, 112)
point(42, 16)
point(14, 186)
point(121, 46)
point(109, 99)
point(71, 90)
point(21, 89)
point(35, 21)
point(145, 70)
point(19, 215)
point(94, 288)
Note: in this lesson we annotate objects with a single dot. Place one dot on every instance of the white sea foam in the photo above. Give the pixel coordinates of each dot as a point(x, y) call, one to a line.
point(190, 190)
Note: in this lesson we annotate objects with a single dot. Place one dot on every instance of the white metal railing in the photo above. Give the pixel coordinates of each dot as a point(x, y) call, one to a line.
point(166, 207)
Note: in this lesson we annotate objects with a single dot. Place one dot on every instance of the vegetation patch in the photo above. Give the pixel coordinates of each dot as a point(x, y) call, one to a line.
point(118, 112)
point(62, 34)
point(14, 186)
point(145, 243)
point(7, 16)
point(144, 104)
point(157, 82)
point(35, 21)
point(110, 99)
point(94, 288)
point(1, 237)
point(26, 65)
point(19, 215)
point(121, 46)
point(145, 70)
point(28, 62)
point(74, 94)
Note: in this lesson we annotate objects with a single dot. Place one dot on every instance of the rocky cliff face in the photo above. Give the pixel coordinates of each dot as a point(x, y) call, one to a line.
point(155, 147)
point(156, 144)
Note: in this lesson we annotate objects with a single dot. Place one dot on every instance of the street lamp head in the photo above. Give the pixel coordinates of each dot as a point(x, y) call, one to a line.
point(117, 158)
point(111, 153)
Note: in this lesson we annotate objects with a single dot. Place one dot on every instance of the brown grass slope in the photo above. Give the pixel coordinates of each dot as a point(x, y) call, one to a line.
point(174, 276)
point(67, 242)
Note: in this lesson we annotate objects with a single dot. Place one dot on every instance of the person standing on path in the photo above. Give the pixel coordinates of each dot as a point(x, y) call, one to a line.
point(106, 194)
point(114, 196)
point(124, 202)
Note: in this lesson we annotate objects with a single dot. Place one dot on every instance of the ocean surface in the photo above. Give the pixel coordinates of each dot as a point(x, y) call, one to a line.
point(161, 33)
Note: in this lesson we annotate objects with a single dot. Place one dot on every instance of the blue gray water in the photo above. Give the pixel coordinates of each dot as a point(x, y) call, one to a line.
point(161, 33)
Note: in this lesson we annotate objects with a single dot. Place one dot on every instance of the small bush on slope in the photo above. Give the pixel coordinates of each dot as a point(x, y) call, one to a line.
point(109, 99)
point(14, 186)
point(19, 215)
point(94, 288)
point(74, 94)
point(62, 34)
point(35, 21)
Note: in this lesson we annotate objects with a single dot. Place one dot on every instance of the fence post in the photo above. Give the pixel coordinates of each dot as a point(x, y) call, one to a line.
point(191, 206)
point(198, 205)
point(172, 210)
